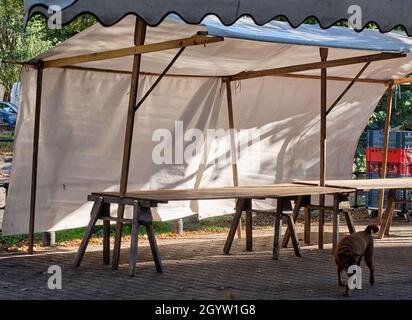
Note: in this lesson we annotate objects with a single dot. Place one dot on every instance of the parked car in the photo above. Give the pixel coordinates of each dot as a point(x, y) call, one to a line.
point(15, 95)
point(8, 114)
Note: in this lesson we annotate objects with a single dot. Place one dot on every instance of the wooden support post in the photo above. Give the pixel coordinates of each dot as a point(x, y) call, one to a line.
point(232, 232)
point(278, 229)
point(94, 216)
point(351, 84)
point(106, 234)
point(349, 222)
point(49, 239)
point(161, 76)
point(154, 247)
point(178, 227)
point(139, 38)
point(336, 220)
point(308, 221)
point(36, 137)
point(323, 110)
point(249, 230)
point(385, 148)
point(233, 150)
point(134, 241)
point(294, 235)
point(388, 214)
point(301, 201)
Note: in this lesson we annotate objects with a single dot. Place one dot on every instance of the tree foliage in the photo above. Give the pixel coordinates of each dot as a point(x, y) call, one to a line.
point(401, 119)
point(21, 44)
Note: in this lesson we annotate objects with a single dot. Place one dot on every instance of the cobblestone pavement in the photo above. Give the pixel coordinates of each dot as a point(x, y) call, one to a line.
point(195, 268)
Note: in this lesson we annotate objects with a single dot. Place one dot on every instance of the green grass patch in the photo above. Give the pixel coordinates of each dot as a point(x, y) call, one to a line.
point(191, 224)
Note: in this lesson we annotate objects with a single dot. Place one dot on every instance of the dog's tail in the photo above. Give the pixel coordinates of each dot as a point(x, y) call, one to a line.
point(372, 228)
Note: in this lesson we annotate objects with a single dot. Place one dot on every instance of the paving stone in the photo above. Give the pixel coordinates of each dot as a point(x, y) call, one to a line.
point(195, 268)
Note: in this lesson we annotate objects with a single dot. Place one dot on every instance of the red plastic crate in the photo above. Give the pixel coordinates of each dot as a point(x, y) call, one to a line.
point(402, 169)
point(394, 155)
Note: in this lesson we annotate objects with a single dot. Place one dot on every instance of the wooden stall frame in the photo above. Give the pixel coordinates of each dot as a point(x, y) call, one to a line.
point(233, 150)
point(137, 51)
point(385, 148)
point(139, 39)
point(36, 136)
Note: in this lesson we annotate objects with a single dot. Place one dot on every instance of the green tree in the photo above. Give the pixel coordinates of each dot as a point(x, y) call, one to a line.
point(21, 44)
point(401, 119)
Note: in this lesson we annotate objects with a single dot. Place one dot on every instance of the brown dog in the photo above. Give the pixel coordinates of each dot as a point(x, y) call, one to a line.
point(353, 248)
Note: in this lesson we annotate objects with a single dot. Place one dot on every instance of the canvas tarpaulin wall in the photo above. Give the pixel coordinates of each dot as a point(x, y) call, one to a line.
point(84, 115)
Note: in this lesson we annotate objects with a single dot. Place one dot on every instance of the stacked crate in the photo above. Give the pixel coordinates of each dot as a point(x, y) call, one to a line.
point(399, 162)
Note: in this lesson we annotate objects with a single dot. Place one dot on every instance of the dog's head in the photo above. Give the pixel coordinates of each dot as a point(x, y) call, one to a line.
point(346, 259)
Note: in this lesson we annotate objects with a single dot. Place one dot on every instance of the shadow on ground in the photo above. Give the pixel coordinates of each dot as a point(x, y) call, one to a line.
point(195, 268)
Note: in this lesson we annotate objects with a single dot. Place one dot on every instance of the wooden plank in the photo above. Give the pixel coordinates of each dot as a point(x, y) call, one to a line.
point(323, 117)
point(138, 49)
point(35, 157)
point(270, 192)
point(139, 39)
point(388, 214)
point(95, 215)
point(278, 229)
point(401, 81)
point(332, 78)
point(364, 185)
point(225, 79)
point(315, 66)
point(385, 149)
point(117, 199)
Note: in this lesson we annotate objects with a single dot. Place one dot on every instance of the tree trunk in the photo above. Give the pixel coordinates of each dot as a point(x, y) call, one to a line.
point(7, 95)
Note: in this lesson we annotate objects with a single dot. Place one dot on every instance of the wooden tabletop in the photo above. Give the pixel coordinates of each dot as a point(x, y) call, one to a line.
point(365, 185)
point(249, 192)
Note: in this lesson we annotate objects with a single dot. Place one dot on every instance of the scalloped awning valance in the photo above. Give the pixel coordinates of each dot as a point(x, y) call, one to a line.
point(387, 14)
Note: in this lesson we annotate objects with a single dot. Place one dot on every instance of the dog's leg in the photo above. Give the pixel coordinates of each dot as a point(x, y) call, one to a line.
point(359, 261)
point(347, 292)
point(340, 277)
point(370, 263)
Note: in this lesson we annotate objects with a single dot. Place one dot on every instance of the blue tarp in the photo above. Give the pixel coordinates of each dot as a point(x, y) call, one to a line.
point(309, 35)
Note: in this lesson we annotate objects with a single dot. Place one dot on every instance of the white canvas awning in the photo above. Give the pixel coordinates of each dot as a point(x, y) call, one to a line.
point(84, 114)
